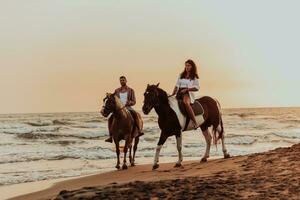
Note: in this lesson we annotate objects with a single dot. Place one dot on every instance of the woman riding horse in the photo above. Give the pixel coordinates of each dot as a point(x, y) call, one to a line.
point(173, 122)
point(186, 86)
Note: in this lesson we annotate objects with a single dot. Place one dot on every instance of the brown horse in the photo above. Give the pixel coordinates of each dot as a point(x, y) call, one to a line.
point(172, 122)
point(122, 126)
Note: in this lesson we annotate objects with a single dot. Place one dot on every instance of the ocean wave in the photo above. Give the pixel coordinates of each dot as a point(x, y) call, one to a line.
point(86, 134)
point(288, 134)
point(296, 121)
point(26, 130)
point(194, 145)
point(143, 149)
point(62, 157)
point(242, 115)
point(88, 126)
point(95, 153)
point(241, 140)
point(150, 139)
point(10, 126)
point(18, 160)
point(262, 126)
point(11, 143)
point(32, 135)
point(152, 129)
point(18, 131)
point(82, 135)
point(55, 131)
point(48, 129)
point(39, 123)
point(48, 123)
point(59, 122)
point(94, 121)
point(64, 142)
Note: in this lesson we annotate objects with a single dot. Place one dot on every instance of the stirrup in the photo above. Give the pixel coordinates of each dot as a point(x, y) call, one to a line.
point(140, 134)
point(196, 126)
point(109, 140)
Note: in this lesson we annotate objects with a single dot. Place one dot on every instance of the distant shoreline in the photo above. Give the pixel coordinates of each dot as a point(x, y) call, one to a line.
point(225, 108)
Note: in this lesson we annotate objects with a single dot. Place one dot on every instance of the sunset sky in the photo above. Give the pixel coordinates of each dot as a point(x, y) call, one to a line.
point(64, 55)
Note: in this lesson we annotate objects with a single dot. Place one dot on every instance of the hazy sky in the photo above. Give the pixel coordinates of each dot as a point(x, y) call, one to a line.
point(60, 55)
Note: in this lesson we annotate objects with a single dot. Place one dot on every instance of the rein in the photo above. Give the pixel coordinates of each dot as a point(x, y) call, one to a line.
point(118, 110)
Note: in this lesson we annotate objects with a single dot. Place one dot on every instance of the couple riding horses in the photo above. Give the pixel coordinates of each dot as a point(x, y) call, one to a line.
point(186, 86)
point(175, 115)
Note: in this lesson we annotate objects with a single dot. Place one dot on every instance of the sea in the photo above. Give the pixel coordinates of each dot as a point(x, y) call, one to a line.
point(45, 146)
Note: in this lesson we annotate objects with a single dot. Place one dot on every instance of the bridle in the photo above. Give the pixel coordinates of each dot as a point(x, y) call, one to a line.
point(154, 103)
point(116, 110)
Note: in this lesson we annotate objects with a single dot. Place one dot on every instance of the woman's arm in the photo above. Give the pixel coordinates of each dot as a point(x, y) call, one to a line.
point(177, 85)
point(195, 86)
point(194, 89)
point(174, 91)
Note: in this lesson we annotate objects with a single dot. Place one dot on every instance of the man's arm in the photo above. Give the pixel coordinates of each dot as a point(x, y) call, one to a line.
point(116, 91)
point(132, 100)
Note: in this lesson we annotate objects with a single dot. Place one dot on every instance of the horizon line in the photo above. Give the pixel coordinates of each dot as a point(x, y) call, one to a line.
point(258, 107)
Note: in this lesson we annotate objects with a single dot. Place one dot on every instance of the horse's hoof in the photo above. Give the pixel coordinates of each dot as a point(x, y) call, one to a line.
point(132, 164)
point(155, 166)
point(118, 166)
point(203, 160)
point(227, 155)
point(178, 165)
point(124, 167)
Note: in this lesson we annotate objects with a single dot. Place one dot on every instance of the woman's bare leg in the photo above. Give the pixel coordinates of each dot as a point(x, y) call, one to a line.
point(187, 103)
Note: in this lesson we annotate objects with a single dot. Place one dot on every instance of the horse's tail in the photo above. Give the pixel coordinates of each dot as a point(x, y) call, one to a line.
point(219, 128)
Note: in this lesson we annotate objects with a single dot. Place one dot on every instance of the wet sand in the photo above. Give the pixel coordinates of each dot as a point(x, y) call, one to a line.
point(270, 175)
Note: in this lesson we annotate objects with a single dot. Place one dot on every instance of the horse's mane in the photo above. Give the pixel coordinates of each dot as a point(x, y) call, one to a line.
point(163, 96)
point(118, 101)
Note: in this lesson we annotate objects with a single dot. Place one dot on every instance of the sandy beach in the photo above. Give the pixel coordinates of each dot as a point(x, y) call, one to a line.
point(270, 175)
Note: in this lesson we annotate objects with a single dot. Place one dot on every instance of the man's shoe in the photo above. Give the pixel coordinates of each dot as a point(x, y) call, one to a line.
point(109, 140)
point(140, 134)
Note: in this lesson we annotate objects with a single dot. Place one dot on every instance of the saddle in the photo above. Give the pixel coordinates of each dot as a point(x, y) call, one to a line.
point(197, 108)
point(135, 118)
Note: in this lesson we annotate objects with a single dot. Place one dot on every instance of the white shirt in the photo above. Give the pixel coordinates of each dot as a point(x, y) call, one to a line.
point(188, 83)
point(123, 97)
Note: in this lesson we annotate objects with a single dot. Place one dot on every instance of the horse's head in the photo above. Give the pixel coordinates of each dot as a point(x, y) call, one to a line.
point(151, 98)
point(109, 104)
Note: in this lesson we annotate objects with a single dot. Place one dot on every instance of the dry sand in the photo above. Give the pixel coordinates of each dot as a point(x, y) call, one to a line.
point(271, 175)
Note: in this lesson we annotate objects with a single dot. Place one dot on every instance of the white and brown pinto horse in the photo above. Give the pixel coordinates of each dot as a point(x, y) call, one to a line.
point(172, 122)
point(122, 126)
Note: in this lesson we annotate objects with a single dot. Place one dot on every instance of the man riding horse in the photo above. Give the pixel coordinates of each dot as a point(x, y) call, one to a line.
point(127, 97)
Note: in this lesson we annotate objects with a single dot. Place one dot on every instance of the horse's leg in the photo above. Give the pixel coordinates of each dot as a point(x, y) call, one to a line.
point(161, 142)
point(136, 141)
point(226, 155)
point(125, 152)
point(118, 153)
point(179, 148)
point(129, 155)
point(208, 138)
point(129, 145)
